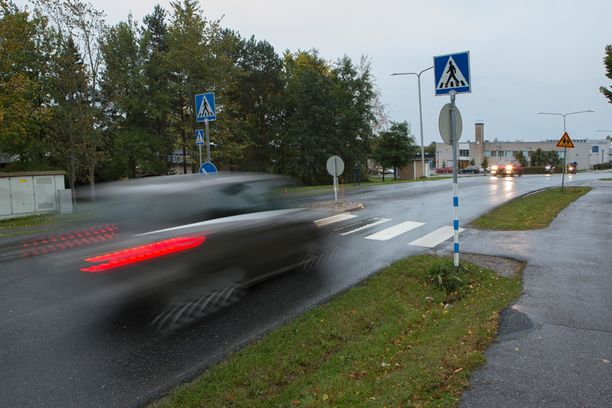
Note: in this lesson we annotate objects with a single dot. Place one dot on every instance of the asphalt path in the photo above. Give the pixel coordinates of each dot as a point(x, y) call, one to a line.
point(61, 348)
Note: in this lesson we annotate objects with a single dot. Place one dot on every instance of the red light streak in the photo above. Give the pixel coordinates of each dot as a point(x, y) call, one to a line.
point(143, 253)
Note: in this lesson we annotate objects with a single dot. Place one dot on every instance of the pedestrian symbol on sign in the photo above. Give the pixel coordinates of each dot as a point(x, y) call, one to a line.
point(205, 107)
point(452, 77)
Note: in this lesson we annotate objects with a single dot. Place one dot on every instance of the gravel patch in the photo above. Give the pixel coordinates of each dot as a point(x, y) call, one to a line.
point(340, 205)
point(507, 267)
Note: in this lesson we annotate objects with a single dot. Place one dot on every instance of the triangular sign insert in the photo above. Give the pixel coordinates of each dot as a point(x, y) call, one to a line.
point(565, 141)
point(452, 76)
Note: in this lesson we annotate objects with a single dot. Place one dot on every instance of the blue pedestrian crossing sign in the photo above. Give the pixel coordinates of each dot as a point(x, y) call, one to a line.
point(452, 73)
point(199, 134)
point(205, 107)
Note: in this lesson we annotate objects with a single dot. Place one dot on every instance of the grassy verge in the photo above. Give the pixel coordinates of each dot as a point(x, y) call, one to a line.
point(390, 341)
point(374, 181)
point(606, 179)
point(532, 211)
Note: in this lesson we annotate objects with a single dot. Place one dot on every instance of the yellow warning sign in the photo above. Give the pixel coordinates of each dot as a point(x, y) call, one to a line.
point(565, 141)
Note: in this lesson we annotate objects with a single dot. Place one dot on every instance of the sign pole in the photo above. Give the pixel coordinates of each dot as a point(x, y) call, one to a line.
point(200, 149)
point(207, 134)
point(335, 182)
point(454, 142)
point(564, 165)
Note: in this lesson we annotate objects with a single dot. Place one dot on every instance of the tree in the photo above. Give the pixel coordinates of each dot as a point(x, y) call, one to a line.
point(192, 69)
point(70, 109)
point(431, 148)
point(84, 25)
point(608, 64)
point(485, 163)
point(25, 48)
point(125, 99)
point(518, 155)
point(394, 147)
point(540, 158)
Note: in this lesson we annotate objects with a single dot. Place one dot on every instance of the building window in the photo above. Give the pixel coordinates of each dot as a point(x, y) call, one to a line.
point(464, 153)
point(487, 153)
point(493, 153)
point(595, 149)
point(509, 153)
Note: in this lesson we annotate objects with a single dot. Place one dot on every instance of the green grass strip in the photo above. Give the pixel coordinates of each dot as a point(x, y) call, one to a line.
point(533, 211)
point(387, 342)
point(374, 181)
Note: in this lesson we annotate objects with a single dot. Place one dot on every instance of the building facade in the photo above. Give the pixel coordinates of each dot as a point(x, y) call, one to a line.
point(588, 153)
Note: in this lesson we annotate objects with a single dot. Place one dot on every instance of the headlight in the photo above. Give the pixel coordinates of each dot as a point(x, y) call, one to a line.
point(494, 168)
point(509, 167)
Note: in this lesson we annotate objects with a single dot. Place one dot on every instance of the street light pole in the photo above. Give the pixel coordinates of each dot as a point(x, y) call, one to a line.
point(564, 131)
point(418, 75)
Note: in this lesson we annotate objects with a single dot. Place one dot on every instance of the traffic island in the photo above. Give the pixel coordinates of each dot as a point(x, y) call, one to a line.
point(340, 205)
point(392, 340)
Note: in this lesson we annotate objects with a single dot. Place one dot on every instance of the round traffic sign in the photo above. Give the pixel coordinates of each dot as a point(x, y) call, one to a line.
point(335, 165)
point(444, 123)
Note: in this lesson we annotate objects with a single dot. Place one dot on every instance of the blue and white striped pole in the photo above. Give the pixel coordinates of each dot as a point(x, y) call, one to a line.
point(454, 142)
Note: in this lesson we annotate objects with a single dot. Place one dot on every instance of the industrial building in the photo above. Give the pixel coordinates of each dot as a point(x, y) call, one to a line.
point(588, 153)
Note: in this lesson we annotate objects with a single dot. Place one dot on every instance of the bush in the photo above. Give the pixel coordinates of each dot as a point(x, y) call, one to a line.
point(535, 170)
point(445, 276)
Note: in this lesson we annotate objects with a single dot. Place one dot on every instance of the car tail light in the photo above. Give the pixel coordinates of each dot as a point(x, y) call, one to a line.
point(113, 260)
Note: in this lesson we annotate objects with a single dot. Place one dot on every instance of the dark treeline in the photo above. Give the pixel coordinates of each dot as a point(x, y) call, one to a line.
point(108, 102)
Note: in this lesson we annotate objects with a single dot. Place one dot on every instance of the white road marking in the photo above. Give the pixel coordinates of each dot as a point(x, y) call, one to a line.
point(373, 223)
point(234, 218)
point(436, 237)
point(394, 231)
point(334, 218)
point(370, 196)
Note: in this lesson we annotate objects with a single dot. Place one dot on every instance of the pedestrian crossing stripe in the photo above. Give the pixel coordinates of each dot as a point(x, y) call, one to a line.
point(565, 141)
point(452, 76)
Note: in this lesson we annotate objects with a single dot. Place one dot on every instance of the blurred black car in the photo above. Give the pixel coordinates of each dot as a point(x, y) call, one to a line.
point(469, 170)
point(180, 247)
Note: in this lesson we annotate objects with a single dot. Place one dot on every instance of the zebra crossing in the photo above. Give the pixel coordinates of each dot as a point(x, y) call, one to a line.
point(429, 240)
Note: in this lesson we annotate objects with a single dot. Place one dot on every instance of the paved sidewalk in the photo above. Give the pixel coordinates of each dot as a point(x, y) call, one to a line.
point(554, 347)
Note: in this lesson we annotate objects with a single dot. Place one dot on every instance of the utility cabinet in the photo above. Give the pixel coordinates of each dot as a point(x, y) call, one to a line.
point(29, 193)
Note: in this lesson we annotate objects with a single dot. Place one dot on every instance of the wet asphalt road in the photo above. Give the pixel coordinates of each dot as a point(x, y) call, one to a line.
point(59, 348)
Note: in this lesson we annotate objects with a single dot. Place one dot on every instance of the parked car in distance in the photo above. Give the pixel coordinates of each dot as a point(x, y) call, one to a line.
point(444, 170)
point(510, 169)
point(470, 170)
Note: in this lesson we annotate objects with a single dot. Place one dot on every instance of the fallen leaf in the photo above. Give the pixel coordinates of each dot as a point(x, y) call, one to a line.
point(605, 361)
point(325, 397)
point(460, 369)
point(296, 402)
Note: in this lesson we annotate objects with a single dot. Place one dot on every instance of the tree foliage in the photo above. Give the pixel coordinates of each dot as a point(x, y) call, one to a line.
point(114, 102)
point(541, 158)
point(608, 64)
point(395, 147)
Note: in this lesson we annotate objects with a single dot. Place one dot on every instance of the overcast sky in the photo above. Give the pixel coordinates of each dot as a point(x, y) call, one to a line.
point(526, 55)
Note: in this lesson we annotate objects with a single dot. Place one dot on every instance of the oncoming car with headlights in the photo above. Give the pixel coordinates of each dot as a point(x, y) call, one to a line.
point(510, 169)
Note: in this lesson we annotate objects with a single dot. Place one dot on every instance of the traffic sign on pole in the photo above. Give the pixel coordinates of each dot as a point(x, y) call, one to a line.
point(205, 107)
point(199, 133)
point(565, 141)
point(444, 124)
point(452, 73)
